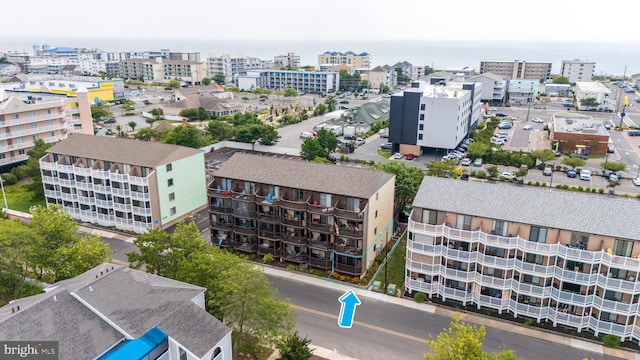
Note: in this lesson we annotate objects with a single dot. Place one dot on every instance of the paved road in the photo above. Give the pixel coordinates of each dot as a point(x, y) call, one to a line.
point(388, 331)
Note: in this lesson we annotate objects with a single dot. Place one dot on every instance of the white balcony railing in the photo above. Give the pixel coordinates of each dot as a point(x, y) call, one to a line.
point(30, 119)
point(13, 159)
point(568, 319)
point(568, 297)
point(618, 307)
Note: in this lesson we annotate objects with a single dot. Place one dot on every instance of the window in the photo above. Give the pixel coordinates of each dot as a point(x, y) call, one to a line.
point(16, 128)
point(622, 247)
point(578, 239)
point(375, 216)
point(183, 354)
point(34, 137)
point(169, 167)
point(500, 227)
point(464, 222)
point(172, 211)
point(172, 196)
point(429, 216)
point(325, 200)
point(419, 136)
point(421, 116)
point(538, 234)
point(354, 203)
point(34, 125)
point(422, 107)
point(170, 182)
point(421, 127)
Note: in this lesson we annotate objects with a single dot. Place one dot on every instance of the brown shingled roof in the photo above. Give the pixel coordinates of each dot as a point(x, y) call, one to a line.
point(300, 174)
point(121, 150)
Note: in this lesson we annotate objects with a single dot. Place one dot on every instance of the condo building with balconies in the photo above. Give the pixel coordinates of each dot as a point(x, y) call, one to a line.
point(130, 184)
point(26, 117)
point(570, 259)
point(325, 216)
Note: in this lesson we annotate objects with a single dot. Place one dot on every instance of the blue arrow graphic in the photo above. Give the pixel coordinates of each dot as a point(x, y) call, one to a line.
point(349, 301)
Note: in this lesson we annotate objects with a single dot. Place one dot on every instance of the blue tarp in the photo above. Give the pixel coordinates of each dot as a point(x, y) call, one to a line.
point(137, 349)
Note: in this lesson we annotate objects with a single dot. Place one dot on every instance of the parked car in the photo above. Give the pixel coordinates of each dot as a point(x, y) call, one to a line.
point(350, 137)
point(501, 115)
point(636, 181)
point(502, 135)
point(508, 176)
point(397, 156)
point(307, 134)
point(505, 125)
point(110, 121)
point(527, 127)
point(465, 162)
point(576, 155)
point(610, 149)
point(409, 157)
point(360, 141)
point(537, 121)
point(498, 141)
point(548, 170)
point(109, 132)
point(607, 126)
point(386, 146)
point(571, 173)
point(477, 162)
point(614, 177)
point(633, 132)
point(384, 135)
point(585, 174)
point(344, 101)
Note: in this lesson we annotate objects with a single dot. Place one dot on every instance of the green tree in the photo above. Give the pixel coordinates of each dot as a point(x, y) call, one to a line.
point(101, 113)
point(132, 125)
point(163, 254)
point(331, 103)
point(146, 134)
point(185, 135)
point(190, 114)
point(441, 168)
point(408, 179)
point(293, 347)
point(269, 135)
point(250, 306)
point(206, 81)
point(560, 80)
point(478, 149)
point(20, 245)
point(311, 149)
point(249, 133)
point(327, 140)
point(462, 342)
point(573, 162)
point(289, 92)
point(384, 89)
point(543, 155)
point(85, 254)
point(320, 110)
point(58, 229)
point(589, 102)
point(219, 130)
point(157, 113)
point(174, 84)
point(492, 171)
point(613, 166)
point(128, 106)
point(219, 78)
point(32, 169)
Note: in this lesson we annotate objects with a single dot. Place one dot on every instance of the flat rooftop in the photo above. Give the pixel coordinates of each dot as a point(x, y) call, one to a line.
point(578, 124)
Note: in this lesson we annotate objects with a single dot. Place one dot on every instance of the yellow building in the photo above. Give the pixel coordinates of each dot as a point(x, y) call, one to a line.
point(102, 90)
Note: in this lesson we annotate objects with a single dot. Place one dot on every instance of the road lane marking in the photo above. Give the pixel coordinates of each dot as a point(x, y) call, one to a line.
point(373, 327)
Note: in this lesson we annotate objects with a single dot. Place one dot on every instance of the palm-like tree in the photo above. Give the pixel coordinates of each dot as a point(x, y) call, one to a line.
point(132, 125)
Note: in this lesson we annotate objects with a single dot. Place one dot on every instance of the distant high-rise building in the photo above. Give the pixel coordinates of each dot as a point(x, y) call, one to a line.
point(577, 70)
point(518, 69)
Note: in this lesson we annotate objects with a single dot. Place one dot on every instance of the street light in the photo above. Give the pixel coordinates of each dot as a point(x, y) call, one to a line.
point(4, 196)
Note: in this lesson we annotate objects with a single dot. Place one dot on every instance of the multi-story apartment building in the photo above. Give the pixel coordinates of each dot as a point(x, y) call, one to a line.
point(591, 89)
point(518, 69)
point(383, 75)
point(157, 69)
point(114, 312)
point(494, 88)
point(349, 58)
point(231, 66)
point(566, 258)
point(26, 117)
point(578, 70)
point(132, 185)
point(326, 216)
point(290, 61)
point(433, 116)
point(302, 81)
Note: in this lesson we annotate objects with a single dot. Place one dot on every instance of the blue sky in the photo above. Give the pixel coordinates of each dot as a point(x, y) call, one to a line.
point(489, 20)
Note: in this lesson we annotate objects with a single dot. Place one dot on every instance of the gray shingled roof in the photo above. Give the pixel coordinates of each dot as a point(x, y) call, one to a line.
point(133, 300)
point(122, 150)
point(546, 207)
point(154, 301)
point(300, 174)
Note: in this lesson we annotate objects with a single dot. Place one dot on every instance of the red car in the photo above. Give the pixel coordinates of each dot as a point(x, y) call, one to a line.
point(409, 156)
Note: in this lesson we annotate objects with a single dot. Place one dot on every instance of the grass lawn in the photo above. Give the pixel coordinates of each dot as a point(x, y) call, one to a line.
point(18, 198)
point(384, 153)
point(396, 265)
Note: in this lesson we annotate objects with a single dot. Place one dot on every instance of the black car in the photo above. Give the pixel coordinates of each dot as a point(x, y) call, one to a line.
point(501, 115)
point(633, 132)
point(350, 137)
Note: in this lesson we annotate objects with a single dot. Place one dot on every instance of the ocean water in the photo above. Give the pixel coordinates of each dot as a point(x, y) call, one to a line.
point(610, 58)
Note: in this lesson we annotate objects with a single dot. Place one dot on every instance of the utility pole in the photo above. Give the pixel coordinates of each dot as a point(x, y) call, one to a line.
point(530, 101)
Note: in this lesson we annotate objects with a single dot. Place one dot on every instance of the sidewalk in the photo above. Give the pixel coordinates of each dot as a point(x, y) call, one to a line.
point(478, 319)
point(320, 352)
